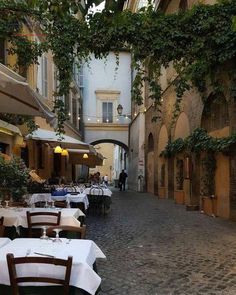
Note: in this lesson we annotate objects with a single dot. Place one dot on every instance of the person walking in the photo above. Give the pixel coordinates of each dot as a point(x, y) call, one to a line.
point(106, 179)
point(122, 180)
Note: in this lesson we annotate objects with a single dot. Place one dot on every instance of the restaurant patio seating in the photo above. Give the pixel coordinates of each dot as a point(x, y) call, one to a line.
point(68, 231)
point(15, 279)
point(36, 220)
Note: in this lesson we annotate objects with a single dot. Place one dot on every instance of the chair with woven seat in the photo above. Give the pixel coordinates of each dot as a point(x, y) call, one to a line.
point(36, 220)
point(67, 231)
point(15, 277)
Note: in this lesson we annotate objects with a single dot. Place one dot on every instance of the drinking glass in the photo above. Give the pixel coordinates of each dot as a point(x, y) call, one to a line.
point(44, 235)
point(57, 238)
point(7, 204)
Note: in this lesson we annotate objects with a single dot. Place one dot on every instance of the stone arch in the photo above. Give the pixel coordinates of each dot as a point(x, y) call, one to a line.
point(123, 145)
point(162, 164)
point(150, 143)
point(215, 119)
point(182, 130)
point(215, 114)
point(182, 127)
point(150, 164)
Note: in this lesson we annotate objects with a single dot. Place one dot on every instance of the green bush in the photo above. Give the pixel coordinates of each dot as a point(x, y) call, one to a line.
point(14, 177)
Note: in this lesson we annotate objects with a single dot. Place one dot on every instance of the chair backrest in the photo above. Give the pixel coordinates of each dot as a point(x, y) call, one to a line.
point(1, 220)
point(80, 231)
point(98, 191)
point(2, 227)
point(15, 279)
point(44, 218)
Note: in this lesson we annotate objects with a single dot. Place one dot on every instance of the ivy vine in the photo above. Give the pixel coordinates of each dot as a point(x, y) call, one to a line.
point(197, 42)
point(197, 142)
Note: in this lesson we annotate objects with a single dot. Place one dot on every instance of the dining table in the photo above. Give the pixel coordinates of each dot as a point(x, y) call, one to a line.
point(15, 216)
point(84, 253)
point(4, 241)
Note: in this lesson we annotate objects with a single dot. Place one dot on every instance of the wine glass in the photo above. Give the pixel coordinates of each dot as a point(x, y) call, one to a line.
point(6, 204)
point(53, 204)
point(57, 238)
point(44, 235)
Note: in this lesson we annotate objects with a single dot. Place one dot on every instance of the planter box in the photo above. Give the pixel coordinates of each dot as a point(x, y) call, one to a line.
point(179, 197)
point(162, 193)
point(209, 206)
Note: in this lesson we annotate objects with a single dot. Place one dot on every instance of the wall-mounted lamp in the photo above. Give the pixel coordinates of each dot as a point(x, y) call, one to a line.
point(85, 156)
point(119, 109)
point(58, 150)
point(64, 153)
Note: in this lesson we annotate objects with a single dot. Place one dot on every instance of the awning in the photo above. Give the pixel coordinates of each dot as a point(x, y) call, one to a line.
point(12, 130)
point(52, 138)
point(17, 97)
point(93, 160)
point(9, 129)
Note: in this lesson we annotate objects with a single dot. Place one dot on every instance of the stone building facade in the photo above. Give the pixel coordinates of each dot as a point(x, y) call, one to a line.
point(183, 177)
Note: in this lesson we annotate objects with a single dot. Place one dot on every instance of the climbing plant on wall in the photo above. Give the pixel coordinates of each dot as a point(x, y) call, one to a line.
point(197, 42)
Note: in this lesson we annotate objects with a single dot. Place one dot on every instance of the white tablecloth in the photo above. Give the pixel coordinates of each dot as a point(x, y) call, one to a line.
point(4, 241)
point(84, 254)
point(43, 197)
point(95, 191)
point(17, 216)
point(78, 198)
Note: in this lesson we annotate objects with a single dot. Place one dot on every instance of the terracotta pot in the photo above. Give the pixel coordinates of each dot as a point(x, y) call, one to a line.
point(162, 193)
point(179, 197)
point(209, 206)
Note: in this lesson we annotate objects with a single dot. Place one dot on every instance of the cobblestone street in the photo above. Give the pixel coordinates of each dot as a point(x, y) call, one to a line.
point(155, 247)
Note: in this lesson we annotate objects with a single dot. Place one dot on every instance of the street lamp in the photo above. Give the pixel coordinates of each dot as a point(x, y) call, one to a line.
point(119, 109)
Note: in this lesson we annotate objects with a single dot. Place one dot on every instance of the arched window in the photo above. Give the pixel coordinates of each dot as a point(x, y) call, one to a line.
point(183, 5)
point(150, 143)
point(215, 113)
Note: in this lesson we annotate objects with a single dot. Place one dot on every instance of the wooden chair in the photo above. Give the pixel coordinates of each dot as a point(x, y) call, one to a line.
point(96, 200)
point(15, 279)
point(67, 230)
point(34, 223)
point(2, 227)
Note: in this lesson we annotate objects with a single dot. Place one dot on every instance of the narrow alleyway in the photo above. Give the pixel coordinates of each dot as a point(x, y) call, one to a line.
point(155, 247)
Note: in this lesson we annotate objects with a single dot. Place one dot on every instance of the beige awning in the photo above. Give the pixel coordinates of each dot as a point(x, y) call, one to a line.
point(52, 138)
point(93, 160)
point(17, 97)
point(9, 129)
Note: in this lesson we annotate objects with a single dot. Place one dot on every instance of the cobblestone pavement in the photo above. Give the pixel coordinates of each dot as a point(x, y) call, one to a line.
point(155, 247)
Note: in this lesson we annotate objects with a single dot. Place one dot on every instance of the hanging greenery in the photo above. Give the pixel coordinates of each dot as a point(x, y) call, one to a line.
point(199, 141)
point(197, 42)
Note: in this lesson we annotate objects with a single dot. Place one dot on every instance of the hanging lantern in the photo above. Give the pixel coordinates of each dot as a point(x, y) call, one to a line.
point(58, 150)
point(64, 153)
point(85, 156)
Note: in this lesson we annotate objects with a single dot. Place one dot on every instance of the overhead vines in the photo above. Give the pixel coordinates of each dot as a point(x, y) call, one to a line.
point(197, 42)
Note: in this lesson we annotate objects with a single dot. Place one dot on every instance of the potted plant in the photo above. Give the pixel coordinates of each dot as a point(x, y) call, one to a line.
point(208, 198)
point(14, 177)
point(179, 177)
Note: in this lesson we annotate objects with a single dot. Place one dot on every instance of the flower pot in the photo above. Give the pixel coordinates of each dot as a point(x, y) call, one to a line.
point(179, 197)
point(162, 193)
point(209, 206)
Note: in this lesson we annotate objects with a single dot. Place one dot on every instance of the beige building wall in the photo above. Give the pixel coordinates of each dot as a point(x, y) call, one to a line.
point(107, 150)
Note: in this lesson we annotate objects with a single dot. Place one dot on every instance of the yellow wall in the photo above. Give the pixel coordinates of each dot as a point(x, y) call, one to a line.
point(107, 150)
